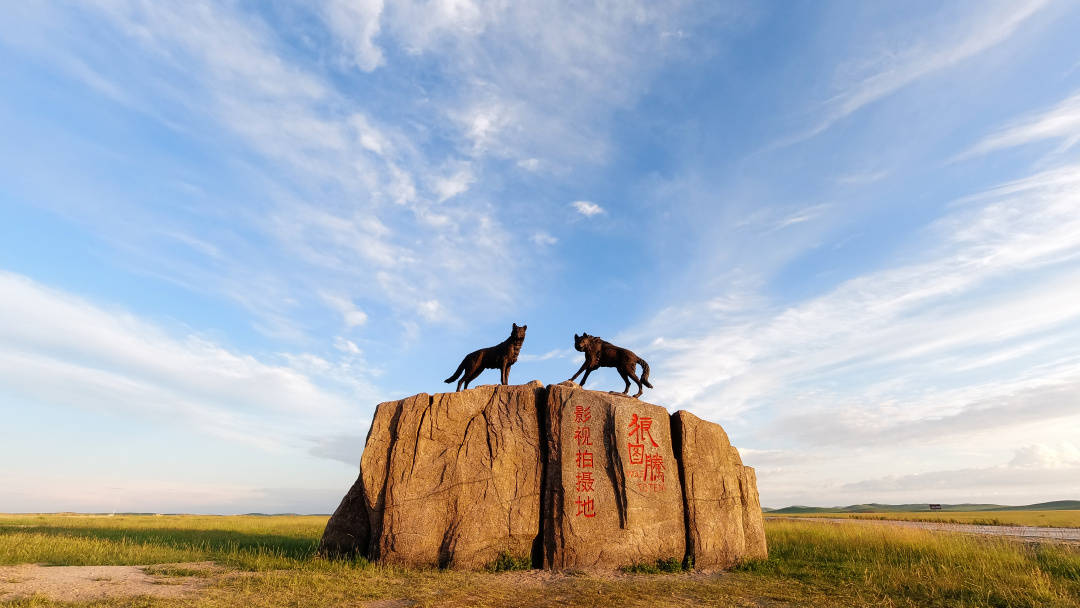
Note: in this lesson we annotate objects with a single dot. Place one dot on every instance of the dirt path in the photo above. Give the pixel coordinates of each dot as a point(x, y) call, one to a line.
point(83, 583)
point(1029, 533)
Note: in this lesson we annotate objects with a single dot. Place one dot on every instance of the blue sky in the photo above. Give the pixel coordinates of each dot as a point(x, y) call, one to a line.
point(848, 232)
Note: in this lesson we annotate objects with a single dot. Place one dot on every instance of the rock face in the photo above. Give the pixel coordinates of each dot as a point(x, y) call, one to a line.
point(723, 514)
point(612, 494)
point(566, 477)
point(450, 480)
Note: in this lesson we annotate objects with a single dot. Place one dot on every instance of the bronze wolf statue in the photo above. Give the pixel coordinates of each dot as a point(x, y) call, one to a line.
point(500, 357)
point(599, 353)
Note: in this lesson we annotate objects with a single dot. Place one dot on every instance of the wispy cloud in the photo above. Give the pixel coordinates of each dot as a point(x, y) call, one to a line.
point(587, 208)
point(343, 193)
point(919, 58)
point(356, 23)
point(350, 314)
point(1053, 469)
point(63, 350)
point(858, 179)
point(958, 350)
point(543, 238)
point(1062, 122)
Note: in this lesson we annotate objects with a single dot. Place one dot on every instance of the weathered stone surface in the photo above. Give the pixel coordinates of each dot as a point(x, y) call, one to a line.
point(723, 514)
point(571, 477)
point(451, 480)
point(753, 520)
point(612, 492)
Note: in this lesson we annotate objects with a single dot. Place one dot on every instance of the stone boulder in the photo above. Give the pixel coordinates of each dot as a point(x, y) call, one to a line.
point(723, 514)
point(450, 480)
point(612, 495)
point(566, 477)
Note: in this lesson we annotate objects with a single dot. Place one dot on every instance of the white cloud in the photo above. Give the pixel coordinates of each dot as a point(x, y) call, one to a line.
point(859, 179)
point(1025, 474)
point(346, 346)
point(345, 195)
point(431, 310)
point(350, 314)
point(1062, 455)
point(538, 81)
point(802, 215)
point(530, 164)
point(938, 304)
point(915, 59)
point(356, 23)
point(1060, 122)
point(543, 238)
point(60, 349)
point(587, 208)
point(455, 184)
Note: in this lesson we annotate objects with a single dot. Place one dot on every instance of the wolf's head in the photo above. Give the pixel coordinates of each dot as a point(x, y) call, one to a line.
point(518, 332)
point(581, 343)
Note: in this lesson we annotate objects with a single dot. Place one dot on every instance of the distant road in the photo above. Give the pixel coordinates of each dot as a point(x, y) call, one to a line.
point(1070, 535)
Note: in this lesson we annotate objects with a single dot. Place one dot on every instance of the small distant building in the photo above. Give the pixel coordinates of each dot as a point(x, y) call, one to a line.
point(935, 507)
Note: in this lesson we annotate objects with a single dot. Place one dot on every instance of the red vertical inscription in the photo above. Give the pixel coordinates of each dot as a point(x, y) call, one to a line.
point(583, 459)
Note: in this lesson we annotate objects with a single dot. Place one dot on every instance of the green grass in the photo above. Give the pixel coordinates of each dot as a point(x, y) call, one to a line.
point(669, 565)
point(1053, 519)
point(244, 542)
point(910, 567)
point(509, 563)
point(270, 561)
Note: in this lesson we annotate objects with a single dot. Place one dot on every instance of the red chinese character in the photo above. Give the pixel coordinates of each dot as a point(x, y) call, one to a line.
point(584, 459)
point(584, 481)
point(637, 452)
point(582, 436)
point(640, 427)
point(581, 414)
point(585, 507)
point(654, 468)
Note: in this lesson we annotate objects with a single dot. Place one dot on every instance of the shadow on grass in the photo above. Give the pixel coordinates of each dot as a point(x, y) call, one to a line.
point(212, 541)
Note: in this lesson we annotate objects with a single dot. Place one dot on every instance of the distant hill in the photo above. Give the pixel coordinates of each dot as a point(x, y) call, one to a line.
point(1054, 505)
point(1057, 505)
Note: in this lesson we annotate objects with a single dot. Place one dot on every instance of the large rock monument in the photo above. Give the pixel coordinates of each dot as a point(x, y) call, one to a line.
point(563, 476)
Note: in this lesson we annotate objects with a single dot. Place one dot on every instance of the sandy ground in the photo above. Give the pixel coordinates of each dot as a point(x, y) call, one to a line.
point(82, 583)
point(1028, 533)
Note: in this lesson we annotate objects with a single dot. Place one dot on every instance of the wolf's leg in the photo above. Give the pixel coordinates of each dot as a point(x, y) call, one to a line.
point(468, 374)
point(504, 374)
point(626, 380)
point(631, 373)
point(473, 374)
point(585, 377)
point(578, 372)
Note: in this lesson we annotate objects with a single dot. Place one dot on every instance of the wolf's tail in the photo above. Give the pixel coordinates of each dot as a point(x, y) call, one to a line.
point(457, 373)
point(644, 372)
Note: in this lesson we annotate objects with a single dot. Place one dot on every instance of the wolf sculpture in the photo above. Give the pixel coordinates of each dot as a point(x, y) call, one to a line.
point(600, 353)
point(500, 357)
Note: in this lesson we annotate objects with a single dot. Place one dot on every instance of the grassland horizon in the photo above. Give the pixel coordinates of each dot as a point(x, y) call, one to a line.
point(272, 561)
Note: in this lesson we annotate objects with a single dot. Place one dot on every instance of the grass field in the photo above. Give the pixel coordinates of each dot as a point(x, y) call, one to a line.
point(269, 561)
point(1054, 519)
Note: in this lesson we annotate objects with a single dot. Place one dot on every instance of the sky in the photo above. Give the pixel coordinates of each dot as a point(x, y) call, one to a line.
point(848, 232)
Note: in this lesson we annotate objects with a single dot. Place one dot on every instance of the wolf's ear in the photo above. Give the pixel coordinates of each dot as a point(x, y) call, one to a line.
point(577, 337)
point(515, 325)
point(524, 327)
